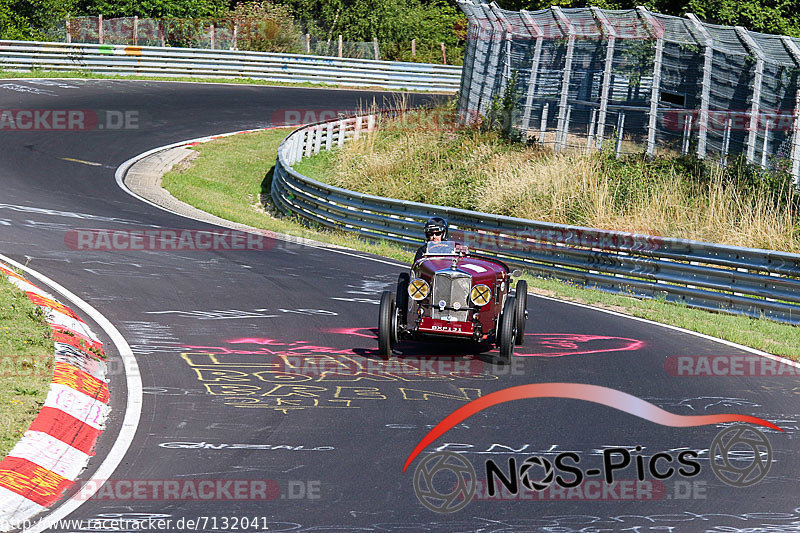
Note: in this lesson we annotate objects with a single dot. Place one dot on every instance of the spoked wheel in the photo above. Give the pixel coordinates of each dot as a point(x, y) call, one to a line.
point(521, 297)
point(507, 330)
point(387, 324)
point(401, 300)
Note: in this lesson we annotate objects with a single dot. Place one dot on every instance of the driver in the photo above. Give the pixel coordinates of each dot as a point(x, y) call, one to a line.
point(435, 231)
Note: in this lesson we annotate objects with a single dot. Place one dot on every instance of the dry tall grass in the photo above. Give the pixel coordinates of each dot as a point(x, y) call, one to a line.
point(480, 171)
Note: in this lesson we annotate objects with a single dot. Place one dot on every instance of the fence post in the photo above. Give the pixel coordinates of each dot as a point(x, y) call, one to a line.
point(444, 54)
point(135, 30)
point(211, 33)
point(69, 33)
point(375, 48)
point(726, 141)
point(357, 133)
point(794, 50)
point(317, 139)
point(657, 32)
point(413, 48)
point(329, 136)
point(796, 140)
point(611, 33)
point(620, 129)
point(308, 43)
point(702, 128)
point(543, 123)
point(235, 35)
point(562, 105)
point(340, 45)
point(298, 147)
point(492, 59)
point(590, 136)
point(342, 127)
point(566, 128)
point(687, 133)
point(537, 54)
point(100, 29)
point(765, 146)
point(755, 106)
point(307, 141)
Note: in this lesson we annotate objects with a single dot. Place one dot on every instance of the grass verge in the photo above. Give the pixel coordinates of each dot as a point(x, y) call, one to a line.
point(230, 174)
point(238, 81)
point(26, 363)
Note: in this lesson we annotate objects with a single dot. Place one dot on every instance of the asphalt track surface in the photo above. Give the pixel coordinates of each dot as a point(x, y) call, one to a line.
point(209, 329)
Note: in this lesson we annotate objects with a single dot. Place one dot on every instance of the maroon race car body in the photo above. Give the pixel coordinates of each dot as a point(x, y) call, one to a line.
point(451, 293)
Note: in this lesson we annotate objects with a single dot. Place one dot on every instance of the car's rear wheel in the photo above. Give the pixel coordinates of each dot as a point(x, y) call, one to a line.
point(387, 324)
point(402, 300)
point(507, 331)
point(521, 296)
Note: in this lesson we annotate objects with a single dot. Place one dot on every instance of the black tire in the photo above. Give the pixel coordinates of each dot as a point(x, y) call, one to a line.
point(521, 296)
point(402, 299)
point(387, 322)
point(507, 331)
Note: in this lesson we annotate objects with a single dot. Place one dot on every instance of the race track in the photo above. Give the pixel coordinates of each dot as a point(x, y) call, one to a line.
point(213, 331)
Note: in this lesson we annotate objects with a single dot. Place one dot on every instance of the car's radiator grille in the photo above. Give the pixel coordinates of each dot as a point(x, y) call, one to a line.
point(452, 287)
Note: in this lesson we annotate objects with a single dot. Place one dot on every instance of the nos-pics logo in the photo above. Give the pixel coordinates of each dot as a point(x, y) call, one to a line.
point(445, 482)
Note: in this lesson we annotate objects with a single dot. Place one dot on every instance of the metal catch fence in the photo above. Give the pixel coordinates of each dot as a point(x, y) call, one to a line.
point(705, 275)
point(642, 81)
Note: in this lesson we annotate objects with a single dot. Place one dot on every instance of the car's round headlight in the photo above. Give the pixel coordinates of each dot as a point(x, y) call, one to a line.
point(418, 289)
point(480, 295)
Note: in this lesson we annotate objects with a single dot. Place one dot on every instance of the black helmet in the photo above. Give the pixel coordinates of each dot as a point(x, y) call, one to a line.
point(435, 225)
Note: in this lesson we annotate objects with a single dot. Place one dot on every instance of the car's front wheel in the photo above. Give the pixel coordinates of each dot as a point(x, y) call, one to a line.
point(387, 324)
point(521, 296)
point(507, 330)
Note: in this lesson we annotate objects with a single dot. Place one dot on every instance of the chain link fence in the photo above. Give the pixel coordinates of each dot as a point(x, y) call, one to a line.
point(634, 81)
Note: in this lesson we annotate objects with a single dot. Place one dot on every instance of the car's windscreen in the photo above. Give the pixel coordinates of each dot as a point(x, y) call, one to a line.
point(445, 248)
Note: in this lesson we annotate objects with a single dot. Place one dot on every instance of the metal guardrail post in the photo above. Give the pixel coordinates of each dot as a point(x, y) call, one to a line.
point(657, 32)
point(565, 78)
point(708, 44)
point(794, 51)
point(537, 54)
point(611, 36)
point(755, 106)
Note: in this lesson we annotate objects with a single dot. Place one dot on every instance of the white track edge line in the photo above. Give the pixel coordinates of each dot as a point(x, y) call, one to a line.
point(133, 408)
point(677, 328)
point(122, 171)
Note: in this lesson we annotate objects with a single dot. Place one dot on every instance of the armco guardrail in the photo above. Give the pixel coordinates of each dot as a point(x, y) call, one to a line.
point(705, 275)
point(191, 62)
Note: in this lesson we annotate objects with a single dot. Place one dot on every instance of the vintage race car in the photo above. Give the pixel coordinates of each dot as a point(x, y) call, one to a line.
point(451, 293)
